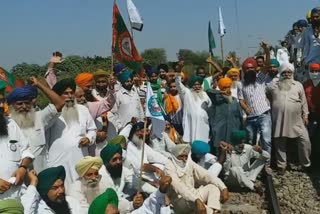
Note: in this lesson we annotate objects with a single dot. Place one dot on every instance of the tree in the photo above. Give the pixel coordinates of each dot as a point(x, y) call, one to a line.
point(154, 56)
point(25, 70)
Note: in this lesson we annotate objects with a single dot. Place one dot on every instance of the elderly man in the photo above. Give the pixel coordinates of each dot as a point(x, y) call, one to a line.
point(253, 100)
point(86, 188)
point(15, 156)
point(239, 171)
point(289, 117)
point(234, 75)
point(128, 103)
point(101, 91)
point(200, 154)
point(85, 81)
point(71, 134)
point(196, 103)
point(225, 113)
point(193, 189)
point(46, 194)
point(34, 124)
point(153, 160)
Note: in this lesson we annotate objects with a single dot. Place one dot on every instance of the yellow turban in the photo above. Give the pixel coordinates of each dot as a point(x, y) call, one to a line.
point(233, 71)
point(101, 73)
point(84, 79)
point(224, 82)
point(87, 163)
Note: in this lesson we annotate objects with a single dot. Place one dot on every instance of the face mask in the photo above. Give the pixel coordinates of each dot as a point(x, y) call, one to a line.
point(315, 78)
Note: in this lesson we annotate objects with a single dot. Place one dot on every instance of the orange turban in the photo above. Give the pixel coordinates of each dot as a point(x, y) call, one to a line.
point(314, 67)
point(224, 82)
point(233, 71)
point(84, 79)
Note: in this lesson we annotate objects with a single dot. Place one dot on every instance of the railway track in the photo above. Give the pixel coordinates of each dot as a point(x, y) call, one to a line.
point(253, 203)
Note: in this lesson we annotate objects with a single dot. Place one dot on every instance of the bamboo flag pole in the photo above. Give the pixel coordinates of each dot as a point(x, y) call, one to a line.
point(114, 1)
point(221, 44)
point(210, 67)
point(142, 155)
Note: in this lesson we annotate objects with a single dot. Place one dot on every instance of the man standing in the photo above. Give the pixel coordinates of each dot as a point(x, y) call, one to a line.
point(310, 40)
point(225, 113)
point(186, 177)
point(128, 103)
point(196, 103)
point(72, 133)
point(15, 156)
point(312, 91)
point(101, 90)
point(50, 186)
point(283, 55)
point(34, 124)
point(253, 100)
point(85, 81)
point(289, 117)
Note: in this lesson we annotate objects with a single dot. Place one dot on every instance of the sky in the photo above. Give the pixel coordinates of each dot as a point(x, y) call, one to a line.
point(32, 29)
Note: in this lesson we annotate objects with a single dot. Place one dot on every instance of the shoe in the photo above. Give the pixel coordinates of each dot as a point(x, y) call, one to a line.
point(281, 171)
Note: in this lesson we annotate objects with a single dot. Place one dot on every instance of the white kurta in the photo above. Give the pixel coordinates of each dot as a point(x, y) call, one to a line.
point(64, 142)
point(163, 145)
point(44, 119)
point(11, 155)
point(127, 105)
point(119, 185)
point(33, 204)
point(195, 117)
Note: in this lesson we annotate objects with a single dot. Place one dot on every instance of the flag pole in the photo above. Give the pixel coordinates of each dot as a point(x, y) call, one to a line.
point(210, 68)
point(142, 155)
point(221, 44)
point(114, 1)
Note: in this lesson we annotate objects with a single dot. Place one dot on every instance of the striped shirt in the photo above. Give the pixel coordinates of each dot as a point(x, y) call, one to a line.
point(255, 95)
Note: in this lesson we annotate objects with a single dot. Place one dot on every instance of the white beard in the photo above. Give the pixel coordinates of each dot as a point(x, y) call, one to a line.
point(70, 113)
point(285, 84)
point(24, 121)
point(90, 189)
point(198, 95)
point(136, 140)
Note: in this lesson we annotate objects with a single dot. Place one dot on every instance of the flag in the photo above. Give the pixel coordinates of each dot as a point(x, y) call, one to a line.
point(123, 48)
point(154, 111)
point(7, 80)
point(134, 16)
point(212, 43)
point(222, 28)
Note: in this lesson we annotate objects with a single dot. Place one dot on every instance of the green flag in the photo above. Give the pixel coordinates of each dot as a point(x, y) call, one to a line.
point(212, 44)
point(7, 80)
point(123, 47)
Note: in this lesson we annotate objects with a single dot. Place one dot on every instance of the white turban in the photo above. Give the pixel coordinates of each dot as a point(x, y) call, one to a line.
point(286, 66)
point(87, 163)
point(181, 149)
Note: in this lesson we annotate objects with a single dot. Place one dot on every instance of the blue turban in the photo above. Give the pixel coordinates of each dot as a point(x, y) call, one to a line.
point(200, 148)
point(118, 68)
point(136, 127)
point(302, 23)
point(124, 76)
point(27, 92)
point(152, 71)
point(167, 118)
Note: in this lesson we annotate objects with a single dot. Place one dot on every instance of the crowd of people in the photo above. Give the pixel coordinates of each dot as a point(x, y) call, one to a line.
point(82, 152)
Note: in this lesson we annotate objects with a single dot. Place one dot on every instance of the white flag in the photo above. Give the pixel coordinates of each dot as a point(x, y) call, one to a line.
point(222, 28)
point(154, 111)
point(134, 16)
